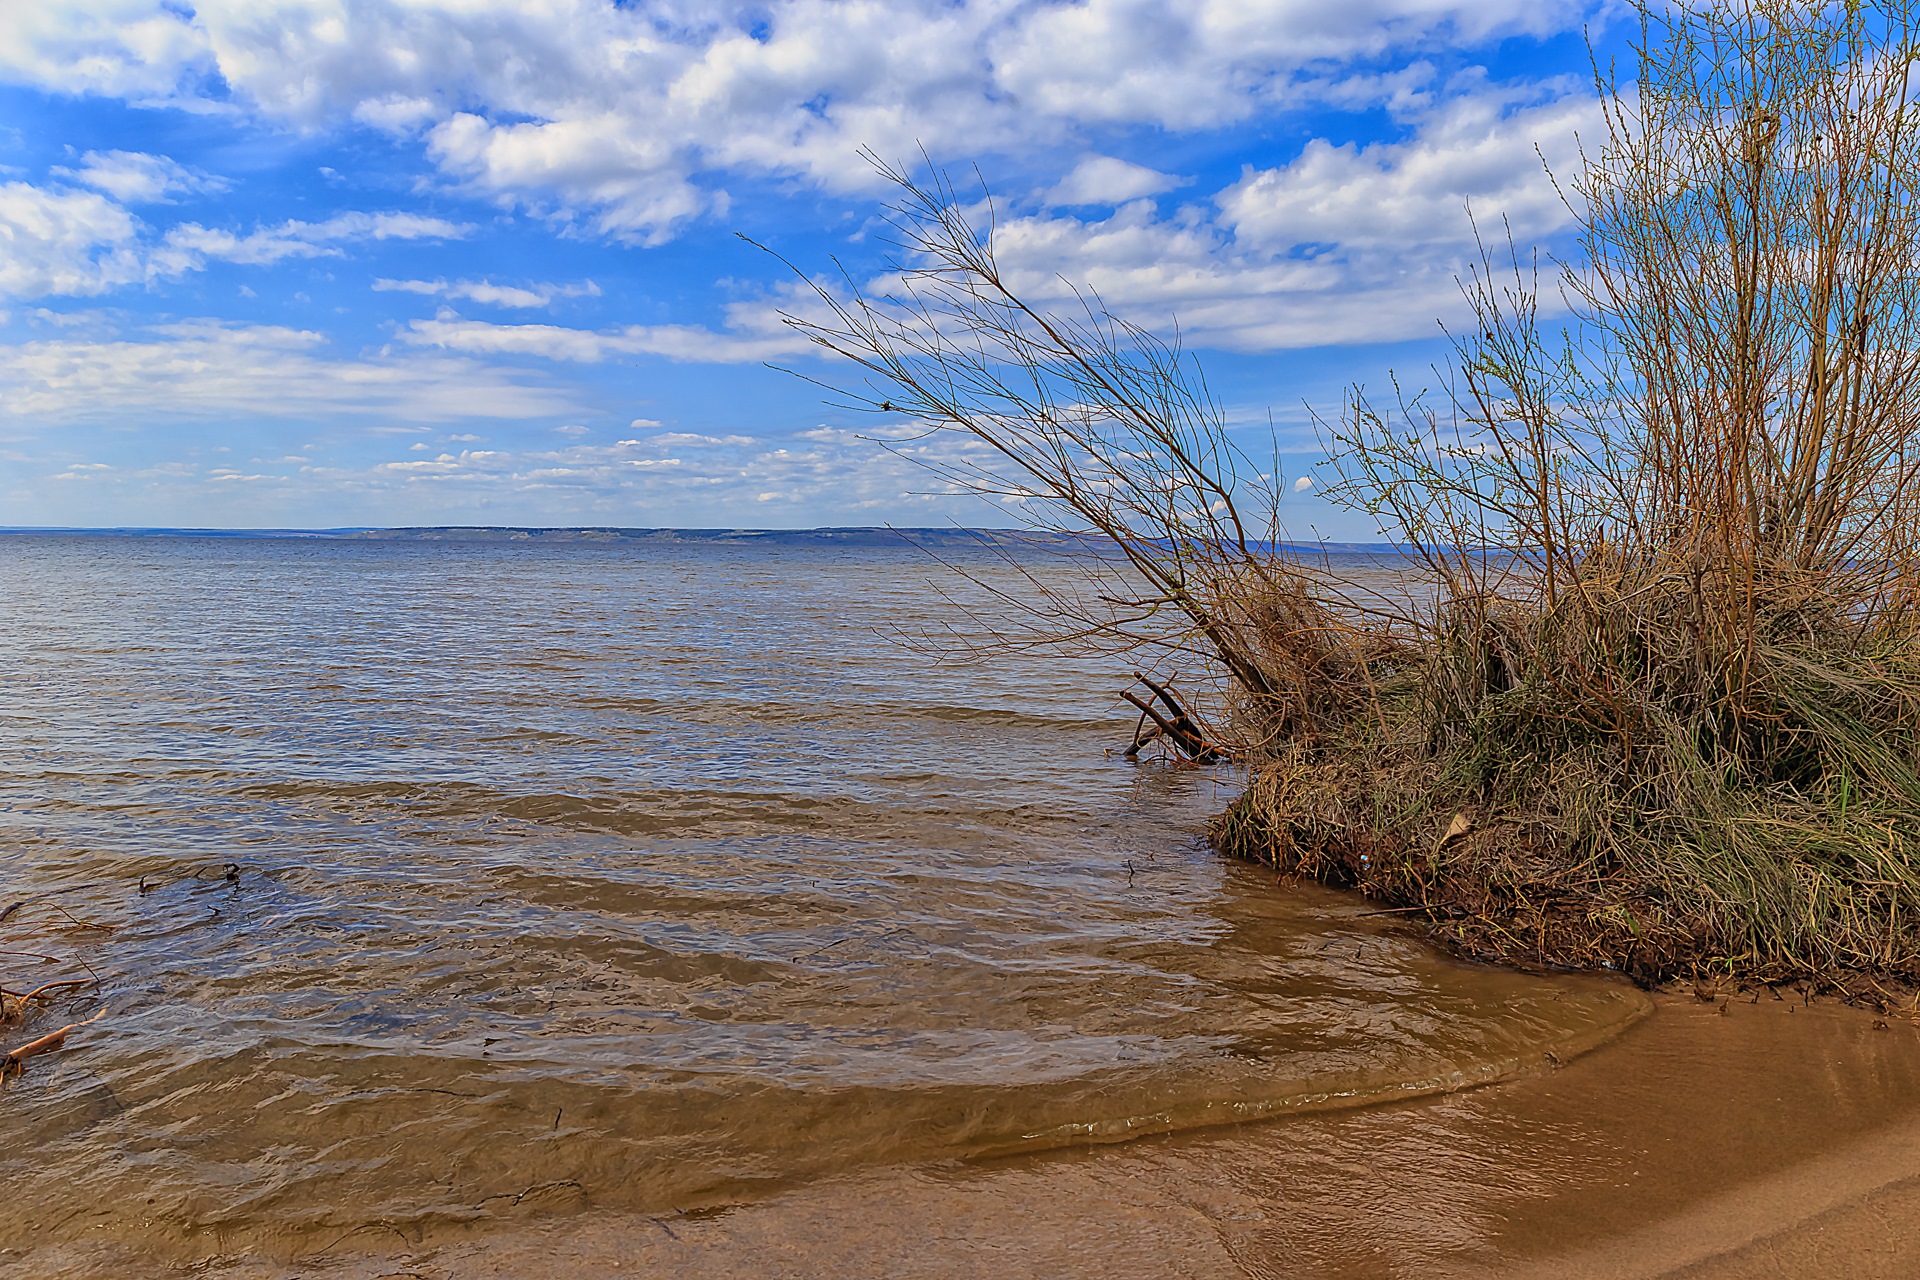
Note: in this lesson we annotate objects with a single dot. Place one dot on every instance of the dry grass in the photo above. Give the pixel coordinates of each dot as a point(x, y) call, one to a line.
point(1619, 812)
point(1664, 711)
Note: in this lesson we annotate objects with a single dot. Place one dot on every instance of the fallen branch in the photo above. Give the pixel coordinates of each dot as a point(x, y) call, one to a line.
point(11, 1063)
point(1165, 728)
point(1180, 729)
point(49, 986)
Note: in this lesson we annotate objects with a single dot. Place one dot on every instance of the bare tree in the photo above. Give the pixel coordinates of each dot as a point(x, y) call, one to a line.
point(1102, 432)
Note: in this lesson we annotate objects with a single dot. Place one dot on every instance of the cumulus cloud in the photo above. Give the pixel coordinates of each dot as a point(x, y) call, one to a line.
point(141, 50)
point(64, 242)
point(1478, 145)
point(1342, 245)
point(627, 118)
point(627, 174)
point(1216, 62)
point(628, 121)
point(1105, 180)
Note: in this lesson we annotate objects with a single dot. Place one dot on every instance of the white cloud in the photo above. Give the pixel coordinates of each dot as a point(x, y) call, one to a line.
point(1342, 245)
point(206, 369)
point(1477, 145)
point(140, 50)
point(626, 117)
point(603, 162)
point(488, 293)
point(1105, 180)
point(133, 177)
point(64, 242)
point(1303, 484)
point(680, 342)
point(755, 480)
point(628, 120)
point(189, 246)
point(79, 242)
point(689, 440)
point(1216, 62)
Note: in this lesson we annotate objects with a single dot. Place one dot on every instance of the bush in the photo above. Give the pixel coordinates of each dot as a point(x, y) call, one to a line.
point(1655, 703)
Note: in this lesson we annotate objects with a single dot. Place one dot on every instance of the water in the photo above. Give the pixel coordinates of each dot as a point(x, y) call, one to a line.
point(626, 877)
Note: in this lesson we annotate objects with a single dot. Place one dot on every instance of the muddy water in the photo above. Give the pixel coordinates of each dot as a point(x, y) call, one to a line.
point(1768, 1140)
point(435, 886)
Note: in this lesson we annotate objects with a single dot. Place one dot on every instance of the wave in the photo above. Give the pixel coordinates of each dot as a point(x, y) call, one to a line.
point(264, 1140)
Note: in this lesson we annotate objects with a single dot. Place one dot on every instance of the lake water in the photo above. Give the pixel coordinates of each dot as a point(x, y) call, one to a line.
point(439, 884)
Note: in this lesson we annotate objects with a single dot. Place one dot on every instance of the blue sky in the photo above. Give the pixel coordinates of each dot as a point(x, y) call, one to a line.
point(318, 263)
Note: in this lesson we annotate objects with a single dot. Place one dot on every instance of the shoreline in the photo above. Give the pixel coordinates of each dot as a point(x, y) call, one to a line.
point(1712, 1140)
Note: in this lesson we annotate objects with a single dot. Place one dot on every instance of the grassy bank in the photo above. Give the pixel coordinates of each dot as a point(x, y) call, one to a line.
point(1660, 712)
point(1669, 775)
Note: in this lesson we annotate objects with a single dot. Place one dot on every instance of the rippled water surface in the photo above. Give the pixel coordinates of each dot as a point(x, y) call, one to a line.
point(630, 876)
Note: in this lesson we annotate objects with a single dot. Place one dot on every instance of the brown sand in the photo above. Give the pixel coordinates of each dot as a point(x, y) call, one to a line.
point(1735, 1140)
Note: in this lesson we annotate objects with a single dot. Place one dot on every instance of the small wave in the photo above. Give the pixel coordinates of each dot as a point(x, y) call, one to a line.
point(638, 813)
point(262, 1139)
point(697, 710)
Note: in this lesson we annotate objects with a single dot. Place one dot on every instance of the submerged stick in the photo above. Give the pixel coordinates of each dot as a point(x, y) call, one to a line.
point(1147, 710)
point(49, 986)
point(52, 1040)
point(1139, 727)
point(1181, 728)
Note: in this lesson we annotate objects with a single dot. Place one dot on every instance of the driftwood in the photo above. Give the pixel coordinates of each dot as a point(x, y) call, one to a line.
point(1170, 721)
point(10, 1064)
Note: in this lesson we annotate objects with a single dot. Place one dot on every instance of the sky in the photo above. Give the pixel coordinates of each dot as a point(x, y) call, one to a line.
point(332, 263)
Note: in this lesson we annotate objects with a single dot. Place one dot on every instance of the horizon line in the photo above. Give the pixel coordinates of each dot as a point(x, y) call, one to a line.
point(631, 532)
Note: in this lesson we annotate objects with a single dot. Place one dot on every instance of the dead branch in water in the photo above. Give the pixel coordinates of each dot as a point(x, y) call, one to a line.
point(1176, 725)
point(12, 1062)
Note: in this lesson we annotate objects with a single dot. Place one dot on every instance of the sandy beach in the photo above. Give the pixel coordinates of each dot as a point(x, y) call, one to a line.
point(1731, 1139)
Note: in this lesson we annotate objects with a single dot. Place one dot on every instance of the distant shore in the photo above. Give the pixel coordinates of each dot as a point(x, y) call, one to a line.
point(851, 536)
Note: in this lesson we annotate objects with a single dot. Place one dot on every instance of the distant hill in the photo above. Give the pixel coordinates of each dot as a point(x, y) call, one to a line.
point(857, 537)
point(874, 536)
point(126, 532)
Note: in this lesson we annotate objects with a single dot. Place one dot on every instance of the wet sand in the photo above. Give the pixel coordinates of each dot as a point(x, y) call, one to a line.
point(1712, 1140)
